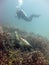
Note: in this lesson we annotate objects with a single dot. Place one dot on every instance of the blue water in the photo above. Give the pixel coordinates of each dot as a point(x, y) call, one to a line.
point(37, 25)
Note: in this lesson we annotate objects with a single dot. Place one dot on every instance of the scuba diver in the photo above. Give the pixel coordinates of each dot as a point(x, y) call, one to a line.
point(22, 15)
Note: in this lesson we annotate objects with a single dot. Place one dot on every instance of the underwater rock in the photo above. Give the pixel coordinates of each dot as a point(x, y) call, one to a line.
point(35, 58)
point(22, 58)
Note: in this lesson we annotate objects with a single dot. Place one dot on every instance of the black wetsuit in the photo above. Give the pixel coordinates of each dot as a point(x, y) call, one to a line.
point(21, 15)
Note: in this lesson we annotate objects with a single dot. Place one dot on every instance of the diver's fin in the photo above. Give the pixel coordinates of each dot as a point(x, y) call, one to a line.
point(31, 17)
point(34, 16)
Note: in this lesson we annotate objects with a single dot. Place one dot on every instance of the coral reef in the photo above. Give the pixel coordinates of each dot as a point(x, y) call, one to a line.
point(14, 51)
point(19, 58)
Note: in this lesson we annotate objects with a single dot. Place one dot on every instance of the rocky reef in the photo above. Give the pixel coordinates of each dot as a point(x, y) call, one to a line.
point(22, 58)
point(19, 47)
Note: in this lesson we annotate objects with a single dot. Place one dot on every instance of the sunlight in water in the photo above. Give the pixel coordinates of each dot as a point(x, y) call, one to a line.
point(20, 2)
